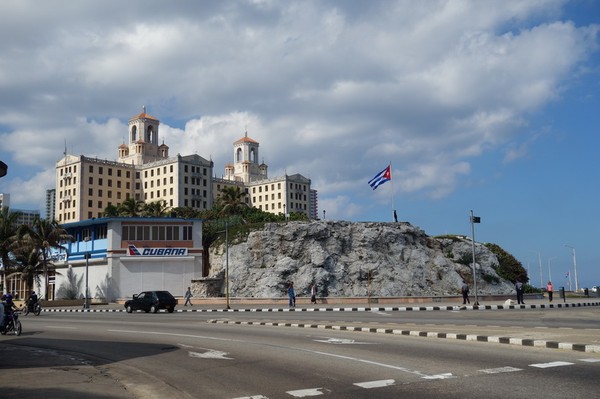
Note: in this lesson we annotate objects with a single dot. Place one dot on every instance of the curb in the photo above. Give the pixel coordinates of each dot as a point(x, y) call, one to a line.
point(357, 309)
point(430, 334)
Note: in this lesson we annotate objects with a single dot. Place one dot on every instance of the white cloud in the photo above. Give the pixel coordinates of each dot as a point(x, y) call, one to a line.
point(332, 90)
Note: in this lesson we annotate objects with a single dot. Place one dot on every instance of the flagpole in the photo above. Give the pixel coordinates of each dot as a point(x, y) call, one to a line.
point(392, 179)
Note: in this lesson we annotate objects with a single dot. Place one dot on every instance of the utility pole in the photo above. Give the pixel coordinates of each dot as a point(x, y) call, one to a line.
point(574, 268)
point(474, 219)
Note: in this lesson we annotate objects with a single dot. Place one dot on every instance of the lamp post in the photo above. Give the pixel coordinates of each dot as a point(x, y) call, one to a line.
point(474, 219)
point(86, 304)
point(574, 268)
point(540, 263)
point(323, 214)
point(227, 262)
point(550, 271)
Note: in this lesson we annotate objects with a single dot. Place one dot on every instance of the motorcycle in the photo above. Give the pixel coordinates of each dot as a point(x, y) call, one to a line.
point(36, 309)
point(12, 324)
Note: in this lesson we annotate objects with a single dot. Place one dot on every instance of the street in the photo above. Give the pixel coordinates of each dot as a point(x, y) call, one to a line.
point(188, 355)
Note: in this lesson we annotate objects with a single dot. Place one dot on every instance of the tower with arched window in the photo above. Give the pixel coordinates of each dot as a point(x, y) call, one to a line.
point(245, 167)
point(143, 144)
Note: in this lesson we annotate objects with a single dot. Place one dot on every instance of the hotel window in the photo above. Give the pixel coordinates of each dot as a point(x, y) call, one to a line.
point(91, 169)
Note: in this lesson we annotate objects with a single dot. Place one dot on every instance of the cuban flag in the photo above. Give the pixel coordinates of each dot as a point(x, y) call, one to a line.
point(381, 177)
point(567, 275)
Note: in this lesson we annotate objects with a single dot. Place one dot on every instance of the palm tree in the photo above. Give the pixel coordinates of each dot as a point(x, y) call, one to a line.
point(130, 207)
point(157, 208)
point(111, 211)
point(44, 235)
point(231, 200)
point(29, 265)
point(8, 230)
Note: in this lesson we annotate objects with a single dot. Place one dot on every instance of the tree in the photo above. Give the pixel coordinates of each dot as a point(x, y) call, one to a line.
point(44, 235)
point(130, 207)
point(509, 268)
point(157, 208)
point(111, 211)
point(29, 266)
point(8, 230)
point(231, 201)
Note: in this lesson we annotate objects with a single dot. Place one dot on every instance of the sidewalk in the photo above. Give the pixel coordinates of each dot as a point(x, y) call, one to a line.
point(30, 372)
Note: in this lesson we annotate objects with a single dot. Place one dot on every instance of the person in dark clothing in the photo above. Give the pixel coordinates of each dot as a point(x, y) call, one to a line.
point(520, 291)
point(465, 293)
point(292, 295)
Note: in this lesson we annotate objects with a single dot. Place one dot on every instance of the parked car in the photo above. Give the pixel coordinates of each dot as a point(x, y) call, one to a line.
point(151, 301)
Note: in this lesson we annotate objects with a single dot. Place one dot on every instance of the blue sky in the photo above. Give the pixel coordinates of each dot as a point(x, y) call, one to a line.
point(483, 106)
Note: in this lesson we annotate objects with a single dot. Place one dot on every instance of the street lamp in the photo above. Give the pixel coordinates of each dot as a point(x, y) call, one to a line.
point(550, 271)
point(227, 262)
point(323, 214)
point(574, 268)
point(540, 263)
point(86, 304)
point(474, 219)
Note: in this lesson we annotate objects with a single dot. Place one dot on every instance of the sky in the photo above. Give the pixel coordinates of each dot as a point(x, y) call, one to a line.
point(483, 106)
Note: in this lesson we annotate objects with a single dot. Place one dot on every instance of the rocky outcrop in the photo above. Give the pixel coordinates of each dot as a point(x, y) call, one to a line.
point(349, 259)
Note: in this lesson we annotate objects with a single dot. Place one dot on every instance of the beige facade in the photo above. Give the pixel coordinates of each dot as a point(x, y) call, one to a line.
point(285, 194)
point(144, 171)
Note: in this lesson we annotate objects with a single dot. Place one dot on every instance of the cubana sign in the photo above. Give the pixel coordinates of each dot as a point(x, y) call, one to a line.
point(134, 251)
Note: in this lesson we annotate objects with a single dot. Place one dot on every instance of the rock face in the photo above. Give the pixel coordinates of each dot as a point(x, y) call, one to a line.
point(347, 259)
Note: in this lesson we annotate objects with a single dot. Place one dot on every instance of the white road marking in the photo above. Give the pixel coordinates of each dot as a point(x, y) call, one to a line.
point(211, 354)
point(63, 328)
point(551, 364)
point(500, 370)
point(340, 341)
point(592, 360)
point(380, 313)
point(375, 384)
point(302, 393)
point(444, 376)
point(389, 366)
point(252, 397)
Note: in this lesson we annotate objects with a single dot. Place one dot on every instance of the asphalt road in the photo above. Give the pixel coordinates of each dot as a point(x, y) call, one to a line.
point(186, 355)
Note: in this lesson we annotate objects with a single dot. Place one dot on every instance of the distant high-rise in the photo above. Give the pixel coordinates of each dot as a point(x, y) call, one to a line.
point(50, 203)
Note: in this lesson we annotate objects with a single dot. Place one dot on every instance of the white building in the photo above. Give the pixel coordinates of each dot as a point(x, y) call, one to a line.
point(130, 255)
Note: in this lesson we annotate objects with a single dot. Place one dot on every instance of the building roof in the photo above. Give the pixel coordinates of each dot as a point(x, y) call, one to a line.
point(143, 115)
point(246, 139)
point(103, 220)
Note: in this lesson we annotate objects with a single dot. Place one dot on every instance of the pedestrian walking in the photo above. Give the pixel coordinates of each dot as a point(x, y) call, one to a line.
point(188, 297)
point(292, 295)
point(465, 293)
point(520, 291)
point(313, 293)
point(549, 290)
